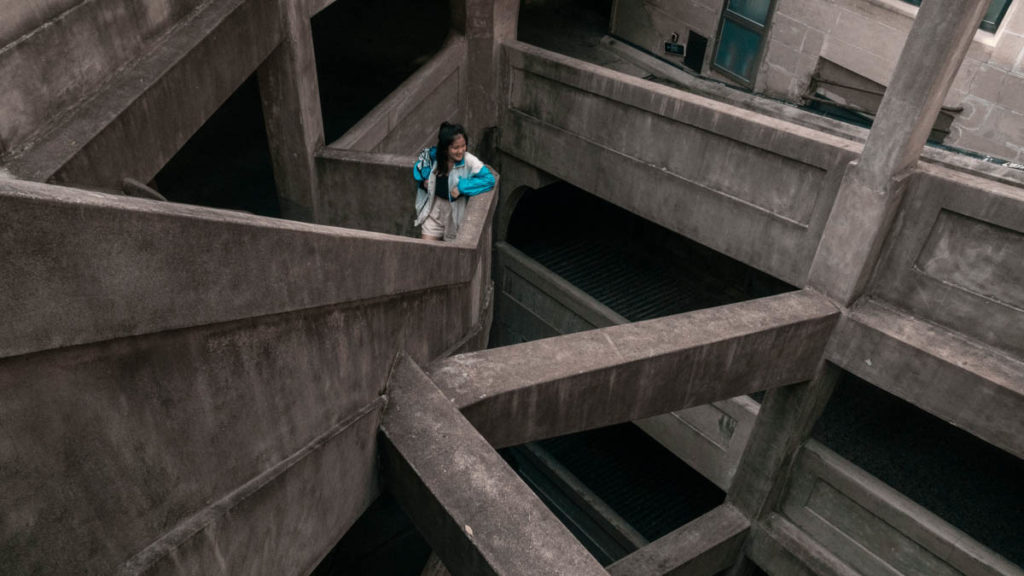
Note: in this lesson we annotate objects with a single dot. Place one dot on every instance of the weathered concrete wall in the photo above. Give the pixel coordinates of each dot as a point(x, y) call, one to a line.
point(772, 181)
point(407, 120)
point(367, 191)
point(53, 53)
point(139, 118)
point(193, 389)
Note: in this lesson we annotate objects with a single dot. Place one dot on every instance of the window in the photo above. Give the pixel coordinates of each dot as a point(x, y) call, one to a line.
point(741, 38)
point(993, 16)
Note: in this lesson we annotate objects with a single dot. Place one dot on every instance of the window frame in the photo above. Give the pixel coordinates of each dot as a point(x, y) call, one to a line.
point(985, 25)
point(742, 21)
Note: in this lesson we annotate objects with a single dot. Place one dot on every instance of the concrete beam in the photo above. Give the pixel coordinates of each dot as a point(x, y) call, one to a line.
point(560, 385)
point(473, 510)
point(872, 189)
point(703, 547)
point(291, 112)
point(963, 382)
point(139, 121)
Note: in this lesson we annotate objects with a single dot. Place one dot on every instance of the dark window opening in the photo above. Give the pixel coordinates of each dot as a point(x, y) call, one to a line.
point(966, 481)
point(993, 16)
point(741, 35)
point(226, 163)
point(643, 483)
point(364, 50)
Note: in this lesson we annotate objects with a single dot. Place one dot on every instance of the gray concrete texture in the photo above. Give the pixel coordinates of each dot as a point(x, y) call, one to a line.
point(569, 383)
point(96, 270)
point(865, 38)
point(102, 140)
point(477, 515)
point(182, 388)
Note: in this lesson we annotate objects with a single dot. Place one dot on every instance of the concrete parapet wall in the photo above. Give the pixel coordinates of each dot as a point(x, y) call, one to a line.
point(772, 181)
point(187, 387)
point(959, 240)
point(104, 266)
point(366, 191)
point(55, 52)
point(407, 120)
point(146, 111)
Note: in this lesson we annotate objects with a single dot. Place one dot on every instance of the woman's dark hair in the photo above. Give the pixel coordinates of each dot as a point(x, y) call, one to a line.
point(445, 136)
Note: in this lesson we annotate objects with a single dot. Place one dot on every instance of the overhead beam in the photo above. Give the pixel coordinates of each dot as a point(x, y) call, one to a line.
point(579, 381)
point(469, 505)
point(703, 547)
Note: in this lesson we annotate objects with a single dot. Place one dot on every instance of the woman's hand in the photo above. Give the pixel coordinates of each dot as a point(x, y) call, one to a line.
point(454, 192)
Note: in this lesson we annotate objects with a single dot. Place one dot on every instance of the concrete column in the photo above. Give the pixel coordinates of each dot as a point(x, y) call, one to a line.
point(871, 190)
point(486, 24)
point(291, 111)
point(784, 422)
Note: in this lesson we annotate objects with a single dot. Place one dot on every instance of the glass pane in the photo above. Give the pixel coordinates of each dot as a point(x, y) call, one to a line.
point(737, 49)
point(756, 10)
point(995, 12)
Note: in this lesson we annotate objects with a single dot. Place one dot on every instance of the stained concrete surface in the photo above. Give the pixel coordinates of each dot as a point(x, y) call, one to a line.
point(364, 50)
point(967, 482)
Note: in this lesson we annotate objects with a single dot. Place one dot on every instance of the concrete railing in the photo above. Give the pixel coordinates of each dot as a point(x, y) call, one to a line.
point(226, 369)
point(408, 118)
point(680, 160)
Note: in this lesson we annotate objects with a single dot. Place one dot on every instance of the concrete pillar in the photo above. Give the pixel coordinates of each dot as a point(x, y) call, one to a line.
point(486, 24)
point(291, 111)
point(783, 424)
point(871, 190)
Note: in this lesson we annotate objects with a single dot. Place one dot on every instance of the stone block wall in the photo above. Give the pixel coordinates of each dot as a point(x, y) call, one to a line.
point(865, 37)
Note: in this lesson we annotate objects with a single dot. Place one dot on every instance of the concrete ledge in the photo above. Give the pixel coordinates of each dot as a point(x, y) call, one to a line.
point(102, 140)
point(407, 120)
point(85, 267)
point(559, 385)
point(959, 380)
point(704, 547)
point(476, 514)
point(875, 529)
